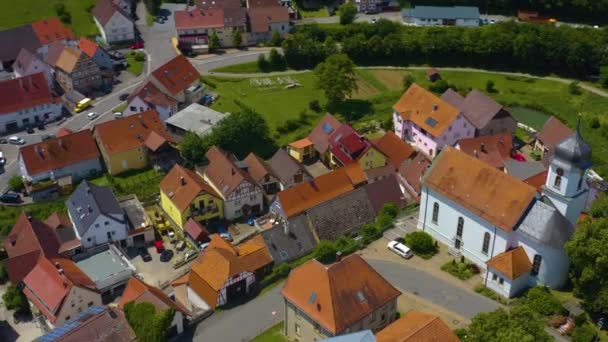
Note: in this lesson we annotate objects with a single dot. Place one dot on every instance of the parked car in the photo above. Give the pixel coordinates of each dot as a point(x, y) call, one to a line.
point(29, 129)
point(204, 245)
point(15, 140)
point(226, 236)
point(2, 159)
point(137, 45)
point(48, 137)
point(41, 125)
point(172, 237)
point(160, 247)
point(10, 197)
point(166, 255)
point(123, 97)
point(400, 249)
point(143, 251)
point(83, 104)
point(92, 115)
point(118, 115)
point(3, 141)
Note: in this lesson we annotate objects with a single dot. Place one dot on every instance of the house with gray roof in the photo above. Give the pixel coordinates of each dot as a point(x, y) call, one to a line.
point(523, 170)
point(96, 215)
point(288, 170)
point(195, 118)
point(288, 240)
point(441, 16)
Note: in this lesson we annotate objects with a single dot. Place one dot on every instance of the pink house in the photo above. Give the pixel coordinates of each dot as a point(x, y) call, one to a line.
point(429, 122)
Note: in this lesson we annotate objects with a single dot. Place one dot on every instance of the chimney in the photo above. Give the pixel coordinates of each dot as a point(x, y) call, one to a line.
point(57, 265)
point(182, 180)
point(475, 153)
point(435, 107)
point(338, 256)
point(483, 148)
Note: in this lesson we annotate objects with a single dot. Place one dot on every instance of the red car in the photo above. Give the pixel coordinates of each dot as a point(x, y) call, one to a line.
point(137, 45)
point(159, 246)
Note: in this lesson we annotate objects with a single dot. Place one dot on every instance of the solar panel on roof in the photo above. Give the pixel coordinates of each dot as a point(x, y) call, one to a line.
point(67, 327)
point(431, 122)
point(312, 298)
point(327, 128)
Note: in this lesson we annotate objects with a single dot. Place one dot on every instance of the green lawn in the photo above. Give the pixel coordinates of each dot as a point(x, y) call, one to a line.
point(134, 66)
point(529, 116)
point(16, 13)
point(274, 334)
point(9, 214)
point(312, 13)
point(143, 183)
point(242, 68)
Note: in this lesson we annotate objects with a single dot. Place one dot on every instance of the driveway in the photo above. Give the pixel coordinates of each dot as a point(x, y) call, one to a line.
point(157, 38)
point(257, 315)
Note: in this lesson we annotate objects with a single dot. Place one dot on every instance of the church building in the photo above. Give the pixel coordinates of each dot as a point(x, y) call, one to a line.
point(505, 226)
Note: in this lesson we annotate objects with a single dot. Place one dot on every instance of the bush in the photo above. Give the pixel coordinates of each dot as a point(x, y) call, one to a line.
point(15, 183)
point(459, 270)
point(3, 273)
point(541, 300)
point(276, 61)
point(390, 210)
point(275, 39)
point(574, 88)
point(139, 56)
point(486, 292)
point(421, 243)
point(263, 64)
point(325, 252)
point(439, 87)
point(490, 86)
point(14, 299)
point(314, 106)
point(408, 80)
point(594, 122)
point(535, 155)
point(584, 333)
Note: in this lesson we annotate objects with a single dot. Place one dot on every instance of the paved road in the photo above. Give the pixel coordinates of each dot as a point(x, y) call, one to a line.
point(247, 321)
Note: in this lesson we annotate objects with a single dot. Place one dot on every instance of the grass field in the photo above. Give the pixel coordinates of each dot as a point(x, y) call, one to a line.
point(9, 214)
point(529, 116)
point(16, 13)
point(310, 13)
point(242, 68)
point(134, 66)
point(274, 334)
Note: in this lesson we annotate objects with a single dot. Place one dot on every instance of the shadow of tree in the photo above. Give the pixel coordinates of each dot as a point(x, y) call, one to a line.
point(352, 109)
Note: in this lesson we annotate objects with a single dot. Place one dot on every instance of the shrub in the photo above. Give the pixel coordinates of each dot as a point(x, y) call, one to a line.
point(594, 122)
point(275, 39)
point(390, 210)
point(486, 292)
point(140, 56)
point(490, 87)
point(263, 64)
point(421, 244)
point(325, 252)
point(15, 183)
point(3, 273)
point(439, 87)
point(459, 270)
point(535, 155)
point(314, 106)
point(541, 300)
point(584, 333)
point(14, 299)
point(474, 268)
point(408, 80)
point(574, 88)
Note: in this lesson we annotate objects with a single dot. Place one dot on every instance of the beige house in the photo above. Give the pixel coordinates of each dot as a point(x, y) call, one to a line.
point(73, 70)
point(179, 79)
point(323, 301)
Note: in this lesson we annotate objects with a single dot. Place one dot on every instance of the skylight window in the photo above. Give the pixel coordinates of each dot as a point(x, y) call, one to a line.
point(327, 128)
point(431, 122)
point(360, 296)
point(312, 298)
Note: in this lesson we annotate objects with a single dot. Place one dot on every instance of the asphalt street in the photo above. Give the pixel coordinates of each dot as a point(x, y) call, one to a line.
point(244, 322)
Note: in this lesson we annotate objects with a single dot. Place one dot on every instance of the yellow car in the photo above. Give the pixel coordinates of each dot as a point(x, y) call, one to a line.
point(83, 104)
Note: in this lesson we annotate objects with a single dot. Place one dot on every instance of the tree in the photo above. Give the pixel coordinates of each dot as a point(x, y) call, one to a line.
point(543, 302)
point(325, 252)
point(348, 12)
point(15, 183)
point(574, 88)
point(64, 16)
point(490, 86)
point(148, 325)
point(420, 242)
point(14, 299)
point(3, 273)
point(263, 64)
point(192, 148)
point(589, 258)
point(408, 80)
point(521, 324)
point(237, 37)
point(214, 41)
point(336, 77)
point(584, 333)
point(276, 60)
point(604, 76)
point(153, 6)
point(275, 39)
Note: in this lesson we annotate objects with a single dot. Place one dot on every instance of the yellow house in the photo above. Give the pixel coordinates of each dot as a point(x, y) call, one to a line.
point(184, 195)
point(132, 142)
point(347, 146)
point(302, 150)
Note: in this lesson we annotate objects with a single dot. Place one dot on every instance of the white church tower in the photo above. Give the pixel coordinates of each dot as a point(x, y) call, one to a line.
point(566, 184)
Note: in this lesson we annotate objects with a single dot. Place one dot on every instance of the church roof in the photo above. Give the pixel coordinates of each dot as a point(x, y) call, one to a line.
point(546, 225)
point(512, 264)
point(574, 150)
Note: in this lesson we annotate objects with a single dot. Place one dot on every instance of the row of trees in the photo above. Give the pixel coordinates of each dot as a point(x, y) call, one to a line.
point(504, 46)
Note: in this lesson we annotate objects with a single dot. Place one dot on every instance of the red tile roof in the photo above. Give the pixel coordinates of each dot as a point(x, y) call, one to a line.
point(261, 17)
point(223, 173)
point(24, 92)
point(195, 19)
point(491, 149)
point(59, 153)
point(138, 291)
point(46, 288)
point(553, 132)
point(87, 46)
point(413, 169)
point(257, 168)
point(537, 180)
point(182, 186)
point(149, 93)
point(394, 148)
point(512, 264)
point(339, 295)
point(417, 326)
point(176, 75)
point(196, 230)
point(50, 30)
point(63, 132)
point(104, 10)
point(347, 145)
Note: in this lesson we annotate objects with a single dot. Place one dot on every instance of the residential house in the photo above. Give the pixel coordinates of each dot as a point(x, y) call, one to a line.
point(99, 323)
point(75, 155)
point(495, 150)
point(552, 133)
point(264, 20)
point(222, 273)
point(262, 174)
point(429, 122)
point(196, 231)
point(347, 296)
point(316, 145)
point(147, 97)
point(28, 63)
point(138, 291)
point(69, 244)
point(482, 212)
point(125, 5)
point(288, 170)
point(114, 24)
point(286, 240)
point(488, 116)
point(410, 174)
point(395, 149)
point(359, 336)
point(34, 37)
point(96, 215)
point(59, 290)
point(196, 25)
point(417, 326)
point(385, 191)
point(184, 195)
point(241, 194)
point(195, 118)
point(108, 268)
point(134, 142)
point(74, 70)
point(347, 146)
point(467, 16)
point(178, 79)
point(379, 173)
point(368, 5)
point(432, 74)
point(25, 101)
point(97, 54)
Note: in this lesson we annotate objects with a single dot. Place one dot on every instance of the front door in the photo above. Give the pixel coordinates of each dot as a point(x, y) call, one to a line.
point(457, 243)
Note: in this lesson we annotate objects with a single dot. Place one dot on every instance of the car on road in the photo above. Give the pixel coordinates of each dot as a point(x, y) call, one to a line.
point(29, 129)
point(123, 97)
point(15, 140)
point(137, 45)
point(400, 249)
point(166, 255)
point(92, 115)
point(117, 115)
point(10, 197)
point(145, 255)
point(48, 137)
point(83, 104)
point(3, 141)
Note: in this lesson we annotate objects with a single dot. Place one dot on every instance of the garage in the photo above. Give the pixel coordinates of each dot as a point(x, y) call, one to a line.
point(12, 126)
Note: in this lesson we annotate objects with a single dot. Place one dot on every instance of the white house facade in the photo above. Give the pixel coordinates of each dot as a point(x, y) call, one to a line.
point(114, 24)
point(489, 216)
point(247, 198)
point(137, 105)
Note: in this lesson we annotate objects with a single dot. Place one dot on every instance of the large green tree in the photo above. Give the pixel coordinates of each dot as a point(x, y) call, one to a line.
point(348, 12)
point(589, 258)
point(14, 299)
point(148, 325)
point(336, 76)
point(520, 324)
point(214, 41)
